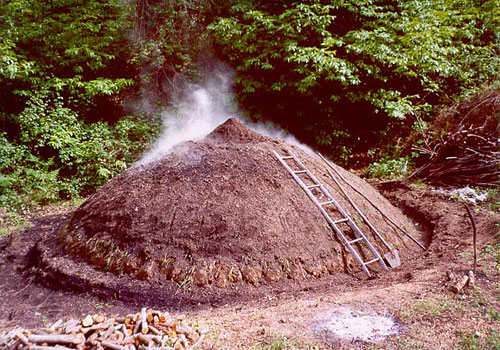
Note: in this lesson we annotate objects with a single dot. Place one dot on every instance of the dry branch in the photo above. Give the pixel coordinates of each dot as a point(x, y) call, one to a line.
point(467, 153)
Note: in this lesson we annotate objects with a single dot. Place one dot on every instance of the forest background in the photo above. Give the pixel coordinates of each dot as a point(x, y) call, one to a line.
point(355, 79)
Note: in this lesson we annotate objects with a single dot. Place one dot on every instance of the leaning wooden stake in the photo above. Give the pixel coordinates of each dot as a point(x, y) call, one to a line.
point(373, 204)
point(393, 255)
point(474, 237)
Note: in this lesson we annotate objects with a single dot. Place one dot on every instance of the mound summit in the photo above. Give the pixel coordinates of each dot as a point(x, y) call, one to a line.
point(216, 213)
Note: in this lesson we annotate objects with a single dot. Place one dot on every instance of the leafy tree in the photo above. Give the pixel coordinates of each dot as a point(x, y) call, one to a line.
point(170, 44)
point(355, 68)
point(63, 67)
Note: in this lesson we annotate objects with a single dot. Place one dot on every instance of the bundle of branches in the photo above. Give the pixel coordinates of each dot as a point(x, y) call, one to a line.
point(466, 152)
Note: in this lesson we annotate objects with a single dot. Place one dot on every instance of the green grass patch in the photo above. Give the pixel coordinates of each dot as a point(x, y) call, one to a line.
point(477, 341)
point(283, 343)
point(10, 221)
point(430, 308)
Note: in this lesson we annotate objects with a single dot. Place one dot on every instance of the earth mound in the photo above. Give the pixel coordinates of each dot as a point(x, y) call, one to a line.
point(220, 212)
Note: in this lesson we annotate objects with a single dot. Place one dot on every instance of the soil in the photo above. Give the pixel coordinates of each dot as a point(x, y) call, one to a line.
point(42, 281)
point(210, 222)
point(29, 298)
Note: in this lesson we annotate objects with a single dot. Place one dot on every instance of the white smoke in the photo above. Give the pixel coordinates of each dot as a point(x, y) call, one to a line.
point(272, 130)
point(200, 110)
point(193, 116)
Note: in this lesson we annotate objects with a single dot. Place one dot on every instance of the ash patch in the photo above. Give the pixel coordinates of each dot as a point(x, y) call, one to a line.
point(344, 325)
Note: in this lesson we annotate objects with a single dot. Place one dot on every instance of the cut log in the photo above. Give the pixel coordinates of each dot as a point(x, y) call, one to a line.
point(461, 283)
point(56, 325)
point(43, 347)
point(99, 318)
point(87, 321)
point(68, 339)
point(112, 346)
point(14, 346)
point(198, 342)
point(22, 338)
point(144, 339)
point(144, 321)
point(472, 279)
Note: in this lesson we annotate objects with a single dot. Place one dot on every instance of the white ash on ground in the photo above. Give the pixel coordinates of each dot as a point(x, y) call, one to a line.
point(148, 329)
point(342, 324)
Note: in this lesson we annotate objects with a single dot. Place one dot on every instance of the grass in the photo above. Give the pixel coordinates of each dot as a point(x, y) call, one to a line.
point(14, 220)
point(10, 221)
point(432, 308)
point(477, 307)
point(283, 343)
point(478, 341)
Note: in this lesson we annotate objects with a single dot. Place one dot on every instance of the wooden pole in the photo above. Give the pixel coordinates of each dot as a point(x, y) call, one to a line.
point(474, 236)
point(373, 204)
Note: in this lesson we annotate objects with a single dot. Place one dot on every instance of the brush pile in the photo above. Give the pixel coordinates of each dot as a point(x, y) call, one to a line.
point(467, 152)
point(148, 329)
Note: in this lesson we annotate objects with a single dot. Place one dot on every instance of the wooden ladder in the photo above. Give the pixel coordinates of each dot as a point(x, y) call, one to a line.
point(300, 173)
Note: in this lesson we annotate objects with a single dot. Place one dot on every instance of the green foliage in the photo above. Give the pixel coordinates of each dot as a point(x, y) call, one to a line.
point(68, 47)
point(59, 156)
point(340, 75)
point(169, 40)
point(355, 65)
point(391, 168)
point(63, 67)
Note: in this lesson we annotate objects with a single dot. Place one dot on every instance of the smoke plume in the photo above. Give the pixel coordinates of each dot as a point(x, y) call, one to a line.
point(199, 110)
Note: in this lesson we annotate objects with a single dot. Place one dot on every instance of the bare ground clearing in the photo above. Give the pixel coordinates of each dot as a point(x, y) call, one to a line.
point(415, 294)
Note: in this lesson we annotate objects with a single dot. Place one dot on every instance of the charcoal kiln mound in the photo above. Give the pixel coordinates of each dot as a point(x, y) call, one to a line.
point(217, 214)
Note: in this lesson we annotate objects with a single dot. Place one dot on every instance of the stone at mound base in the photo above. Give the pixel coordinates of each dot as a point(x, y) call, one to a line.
point(220, 212)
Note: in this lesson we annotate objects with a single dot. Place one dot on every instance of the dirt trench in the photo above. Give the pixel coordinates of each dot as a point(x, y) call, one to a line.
point(31, 293)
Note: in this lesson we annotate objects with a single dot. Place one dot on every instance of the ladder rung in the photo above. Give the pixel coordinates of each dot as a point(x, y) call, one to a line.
point(340, 221)
point(313, 186)
point(287, 157)
point(325, 203)
point(300, 171)
point(370, 262)
point(356, 240)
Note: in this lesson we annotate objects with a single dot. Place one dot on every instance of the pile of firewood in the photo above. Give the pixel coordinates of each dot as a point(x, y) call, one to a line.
point(459, 283)
point(148, 329)
point(462, 158)
point(467, 150)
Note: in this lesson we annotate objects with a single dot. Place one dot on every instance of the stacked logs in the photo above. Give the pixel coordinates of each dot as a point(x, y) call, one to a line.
point(462, 158)
point(148, 329)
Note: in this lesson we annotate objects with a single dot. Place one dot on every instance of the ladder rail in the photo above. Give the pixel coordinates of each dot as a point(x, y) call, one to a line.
point(333, 224)
point(324, 213)
point(341, 210)
point(365, 219)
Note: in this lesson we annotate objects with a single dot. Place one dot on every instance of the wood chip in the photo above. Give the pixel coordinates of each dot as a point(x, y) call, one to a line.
point(87, 321)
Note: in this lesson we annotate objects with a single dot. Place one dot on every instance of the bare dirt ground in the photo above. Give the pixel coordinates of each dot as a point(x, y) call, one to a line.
point(282, 316)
